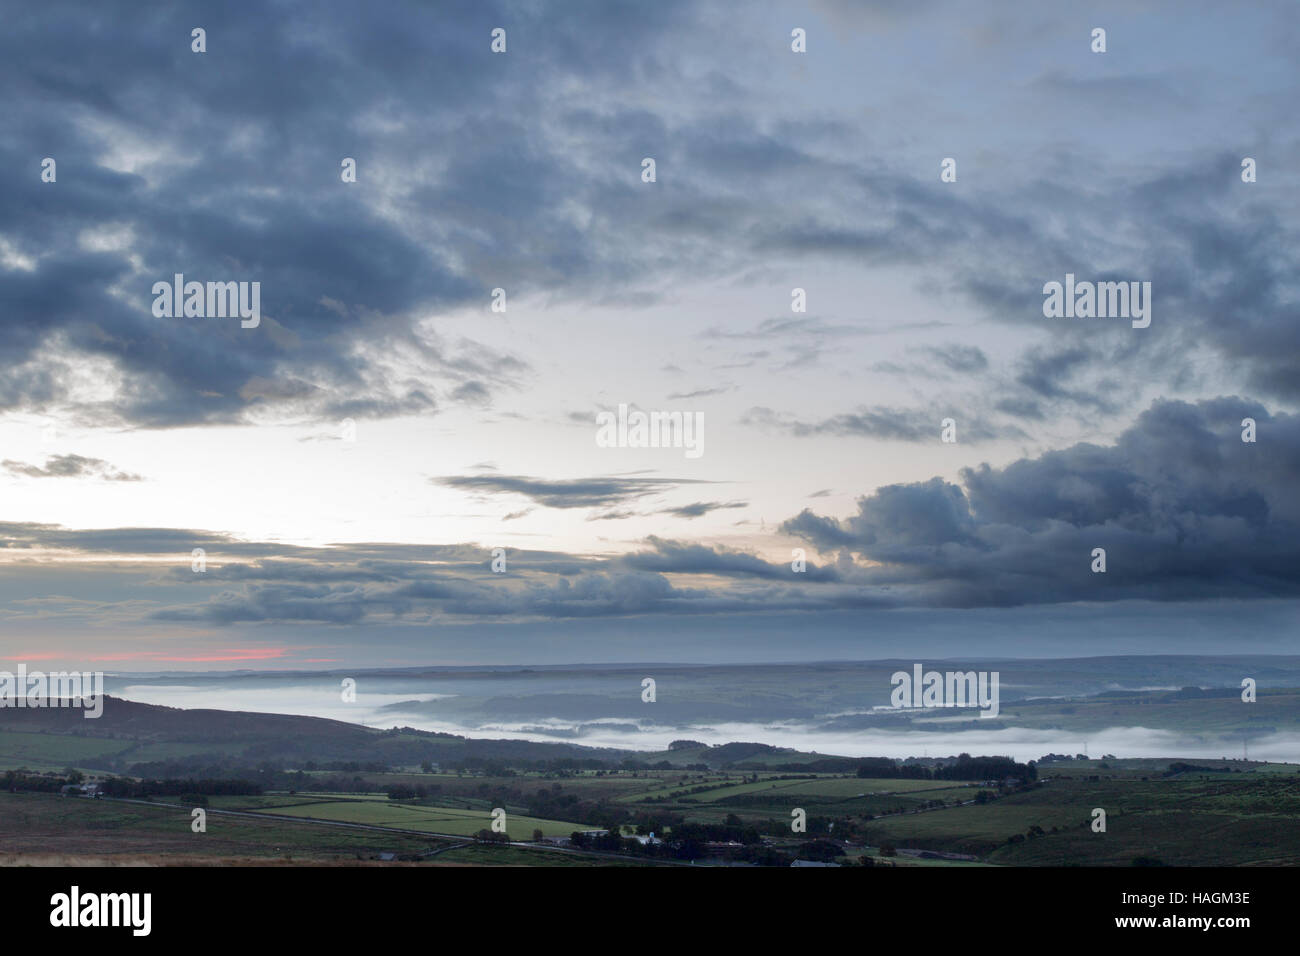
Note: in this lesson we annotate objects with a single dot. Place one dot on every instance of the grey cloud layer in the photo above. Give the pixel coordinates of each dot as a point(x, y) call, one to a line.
point(521, 170)
point(243, 145)
point(1185, 510)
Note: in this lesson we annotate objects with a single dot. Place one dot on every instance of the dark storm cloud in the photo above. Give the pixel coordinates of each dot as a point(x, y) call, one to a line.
point(1044, 374)
point(472, 167)
point(244, 144)
point(1183, 507)
point(1221, 261)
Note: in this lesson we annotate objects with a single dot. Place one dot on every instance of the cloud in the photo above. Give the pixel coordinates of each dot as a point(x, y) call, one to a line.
point(699, 508)
point(347, 271)
point(526, 167)
point(472, 393)
point(885, 423)
point(700, 393)
point(567, 493)
point(69, 466)
point(1184, 509)
point(666, 556)
point(958, 358)
point(394, 585)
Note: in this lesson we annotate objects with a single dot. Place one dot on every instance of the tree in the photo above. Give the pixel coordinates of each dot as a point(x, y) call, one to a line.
point(538, 836)
point(820, 850)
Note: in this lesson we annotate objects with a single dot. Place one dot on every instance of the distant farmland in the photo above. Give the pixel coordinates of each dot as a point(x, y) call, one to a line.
point(431, 819)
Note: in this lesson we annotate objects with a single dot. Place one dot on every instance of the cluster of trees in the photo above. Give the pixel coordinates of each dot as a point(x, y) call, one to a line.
point(15, 780)
point(820, 851)
point(347, 766)
point(417, 791)
point(631, 764)
point(188, 787)
point(966, 767)
point(961, 767)
point(191, 789)
point(1179, 766)
point(733, 831)
point(821, 765)
point(552, 805)
point(610, 841)
point(886, 768)
point(509, 766)
point(194, 790)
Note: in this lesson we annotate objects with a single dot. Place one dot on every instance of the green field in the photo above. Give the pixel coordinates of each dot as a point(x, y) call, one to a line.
point(1248, 820)
point(56, 751)
point(45, 829)
point(53, 751)
point(430, 819)
point(265, 802)
point(1245, 814)
point(736, 805)
point(483, 854)
point(75, 828)
point(835, 788)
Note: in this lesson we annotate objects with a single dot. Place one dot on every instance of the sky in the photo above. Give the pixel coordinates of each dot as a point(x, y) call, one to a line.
point(349, 465)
